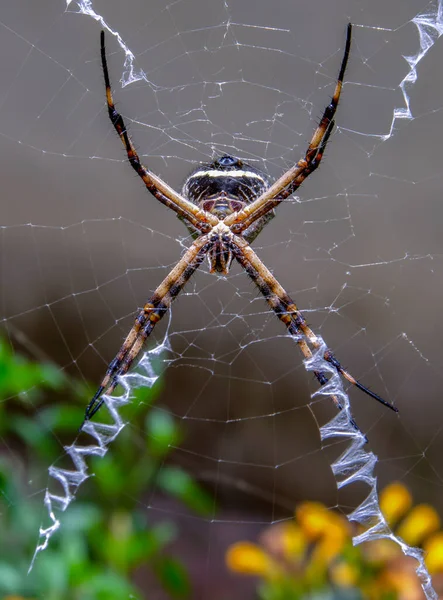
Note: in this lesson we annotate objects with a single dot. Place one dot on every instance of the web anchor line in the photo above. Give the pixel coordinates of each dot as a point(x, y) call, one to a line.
point(356, 464)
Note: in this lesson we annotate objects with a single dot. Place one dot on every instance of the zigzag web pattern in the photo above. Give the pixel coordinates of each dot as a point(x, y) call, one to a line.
point(430, 28)
point(70, 480)
point(356, 464)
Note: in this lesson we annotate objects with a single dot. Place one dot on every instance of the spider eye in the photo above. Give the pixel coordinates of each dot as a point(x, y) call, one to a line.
point(228, 161)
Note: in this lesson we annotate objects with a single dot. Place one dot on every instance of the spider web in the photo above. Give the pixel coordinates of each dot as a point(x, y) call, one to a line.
point(359, 249)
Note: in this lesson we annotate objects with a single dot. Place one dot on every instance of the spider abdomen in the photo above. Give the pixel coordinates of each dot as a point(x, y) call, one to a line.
point(226, 181)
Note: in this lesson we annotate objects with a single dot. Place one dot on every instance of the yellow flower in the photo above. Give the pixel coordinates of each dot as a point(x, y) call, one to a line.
point(315, 551)
point(345, 575)
point(249, 559)
point(395, 501)
point(314, 519)
point(325, 526)
point(420, 522)
point(285, 540)
point(293, 539)
point(433, 548)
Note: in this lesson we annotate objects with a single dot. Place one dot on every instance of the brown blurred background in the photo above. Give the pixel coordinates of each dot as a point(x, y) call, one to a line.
point(83, 244)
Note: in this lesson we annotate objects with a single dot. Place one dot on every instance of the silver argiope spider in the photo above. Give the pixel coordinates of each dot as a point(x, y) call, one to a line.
point(225, 205)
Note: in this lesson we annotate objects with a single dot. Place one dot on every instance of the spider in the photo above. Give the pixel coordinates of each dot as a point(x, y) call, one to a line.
point(225, 205)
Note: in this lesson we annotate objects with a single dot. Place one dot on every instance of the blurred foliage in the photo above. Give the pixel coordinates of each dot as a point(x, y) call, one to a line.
point(106, 538)
point(312, 557)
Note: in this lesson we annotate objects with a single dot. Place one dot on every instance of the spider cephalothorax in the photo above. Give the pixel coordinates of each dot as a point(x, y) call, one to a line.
point(225, 205)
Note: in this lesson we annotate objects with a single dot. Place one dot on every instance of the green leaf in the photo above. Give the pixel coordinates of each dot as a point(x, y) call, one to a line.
point(178, 483)
point(10, 579)
point(107, 586)
point(162, 431)
point(62, 417)
point(52, 572)
point(31, 432)
point(22, 377)
point(173, 577)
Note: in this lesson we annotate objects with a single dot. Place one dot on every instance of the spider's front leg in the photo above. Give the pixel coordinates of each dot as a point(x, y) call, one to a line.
point(290, 181)
point(287, 311)
point(147, 318)
point(201, 220)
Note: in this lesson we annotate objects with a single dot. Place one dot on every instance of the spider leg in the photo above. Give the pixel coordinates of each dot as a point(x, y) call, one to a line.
point(161, 190)
point(288, 183)
point(287, 311)
point(147, 318)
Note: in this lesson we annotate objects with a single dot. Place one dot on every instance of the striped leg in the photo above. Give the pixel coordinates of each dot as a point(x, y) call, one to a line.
point(288, 183)
point(165, 194)
point(148, 317)
point(287, 311)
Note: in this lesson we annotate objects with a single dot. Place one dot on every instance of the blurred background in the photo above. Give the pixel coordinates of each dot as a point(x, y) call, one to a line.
point(227, 442)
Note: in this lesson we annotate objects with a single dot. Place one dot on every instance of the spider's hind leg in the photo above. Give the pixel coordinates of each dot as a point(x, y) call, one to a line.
point(147, 318)
point(253, 230)
point(287, 311)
